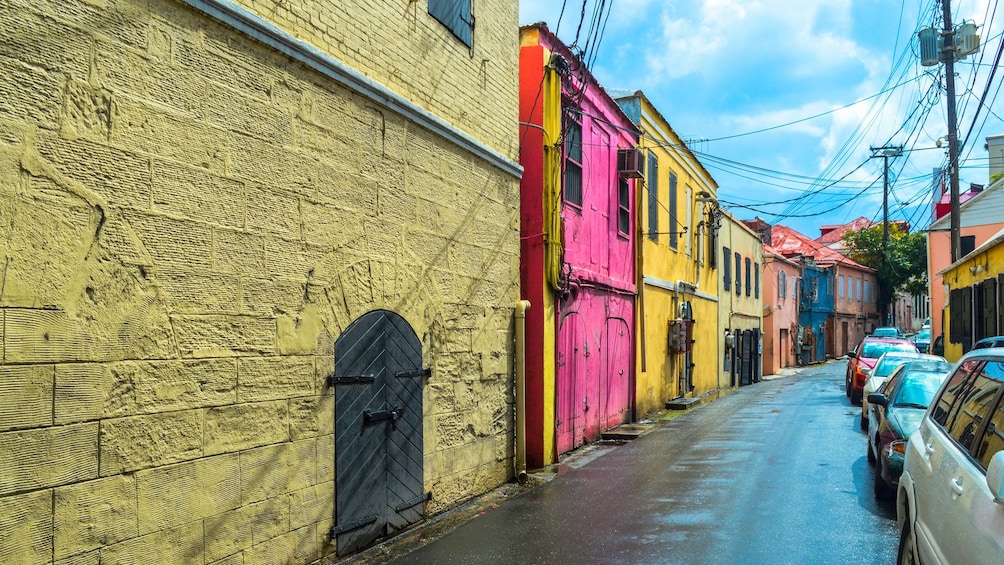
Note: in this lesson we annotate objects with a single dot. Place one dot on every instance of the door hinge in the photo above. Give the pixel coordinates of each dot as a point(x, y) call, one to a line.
point(349, 380)
point(341, 529)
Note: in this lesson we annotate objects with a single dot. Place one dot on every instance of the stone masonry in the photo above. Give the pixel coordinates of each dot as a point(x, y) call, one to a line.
point(188, 221)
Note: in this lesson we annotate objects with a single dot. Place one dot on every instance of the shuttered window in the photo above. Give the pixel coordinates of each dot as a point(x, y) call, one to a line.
point(726, 270)
point(674, 224)
point(573, 162)
point(456, 16)
point(653, 197)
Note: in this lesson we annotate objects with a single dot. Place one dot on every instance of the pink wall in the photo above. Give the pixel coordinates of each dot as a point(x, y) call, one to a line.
point(780, 315)
point(856, 306)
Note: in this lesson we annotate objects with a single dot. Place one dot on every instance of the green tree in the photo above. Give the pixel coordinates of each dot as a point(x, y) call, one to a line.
point(900, 264)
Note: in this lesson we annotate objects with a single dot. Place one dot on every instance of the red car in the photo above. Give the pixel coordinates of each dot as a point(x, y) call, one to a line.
point(862, 358)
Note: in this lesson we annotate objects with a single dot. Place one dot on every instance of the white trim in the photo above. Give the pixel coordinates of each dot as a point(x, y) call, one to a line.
point(231, 14)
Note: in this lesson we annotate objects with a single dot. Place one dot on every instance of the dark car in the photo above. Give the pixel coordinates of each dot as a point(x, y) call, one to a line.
point(863, 357)
point(923, 340)
point(896, 411)
point(888, 331)
point(995, 341)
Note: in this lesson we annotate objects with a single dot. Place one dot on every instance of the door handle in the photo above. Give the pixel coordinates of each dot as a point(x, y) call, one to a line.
point(957, 486)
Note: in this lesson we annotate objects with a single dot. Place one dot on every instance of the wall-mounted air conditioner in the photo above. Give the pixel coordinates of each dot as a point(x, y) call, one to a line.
point(630, 163)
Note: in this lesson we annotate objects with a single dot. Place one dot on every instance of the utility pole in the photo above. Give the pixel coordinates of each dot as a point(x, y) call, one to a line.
point(885, 152)
point(948, 56)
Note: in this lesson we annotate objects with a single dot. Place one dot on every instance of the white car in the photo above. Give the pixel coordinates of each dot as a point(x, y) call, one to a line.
point(950, 497)
point(885, 365)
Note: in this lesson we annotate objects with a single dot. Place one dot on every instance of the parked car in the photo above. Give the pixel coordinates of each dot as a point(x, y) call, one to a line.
point(938, 345)
point(896, 410)
point(888, 331)
point(885, 365)
point(950, 498)
point(995, 341)
point(862, 358)
point(923, 340)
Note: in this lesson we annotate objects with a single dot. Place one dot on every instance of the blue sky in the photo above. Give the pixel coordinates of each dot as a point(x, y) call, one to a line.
point(784, 97)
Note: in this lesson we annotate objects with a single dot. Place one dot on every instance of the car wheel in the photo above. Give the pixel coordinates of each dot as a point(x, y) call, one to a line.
point(871, 455)
point(856, 398)
point(882, 488)
point(847, 387)
point(864, 422)
point(905, 555)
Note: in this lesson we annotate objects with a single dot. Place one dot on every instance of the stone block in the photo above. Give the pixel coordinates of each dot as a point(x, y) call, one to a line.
point(168, 134)
point(80, 392)
point(276, 470)
point(92, 557)
point(273, 378)
point(246, 426)
point(311, 416)
point(163, 386)
point(200, 292)
point(265, 296)
point(169, 546)
point(198, 194)
point(152, 440)
point(224, 336)
point(238, 252)
point(311, 505)
point(179, 245)
point(174, 495)
point(273, 210)
point(26, 528)
point(94, 514)
point(27, 396)
point(48, 457)
point(30, 94)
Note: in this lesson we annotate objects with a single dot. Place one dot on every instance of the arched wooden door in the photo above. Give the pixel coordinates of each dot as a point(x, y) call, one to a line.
point(378, 430)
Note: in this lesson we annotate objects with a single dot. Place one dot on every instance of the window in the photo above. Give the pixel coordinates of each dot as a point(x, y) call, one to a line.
point(739, 273)
point(653, 197)
point(623, 207)
point(573, 162)
point(749, 277)
point(972, 406)
point(726, 267)
point(857, 289)
point(866, 290)
point(456, 16)
point(840, 285)
point(674, 224)
point(782, 284)
point(967, 244)
point(756, 280)
point(688, 228)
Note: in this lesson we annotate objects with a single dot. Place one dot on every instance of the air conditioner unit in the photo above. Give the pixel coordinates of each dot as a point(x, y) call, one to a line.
point(630, 163)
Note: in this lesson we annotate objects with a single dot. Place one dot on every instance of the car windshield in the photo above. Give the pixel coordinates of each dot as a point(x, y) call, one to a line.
point(875, 349)
point(886, 332)
point(917, 389)
point(924, 334)
point(888, 363)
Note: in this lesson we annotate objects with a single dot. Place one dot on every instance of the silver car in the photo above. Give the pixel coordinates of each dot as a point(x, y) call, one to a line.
point(950, 497)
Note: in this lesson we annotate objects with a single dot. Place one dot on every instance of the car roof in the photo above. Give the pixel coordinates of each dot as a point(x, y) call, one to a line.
point(885, 339)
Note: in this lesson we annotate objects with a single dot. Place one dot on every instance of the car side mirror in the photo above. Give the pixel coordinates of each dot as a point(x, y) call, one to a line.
point(878, 399)
point(995, 476)
point(852, 354)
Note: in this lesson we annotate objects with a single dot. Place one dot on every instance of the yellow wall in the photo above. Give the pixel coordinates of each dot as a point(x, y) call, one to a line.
point(673, 275)
point(189, 221)
point(738, 311)
point(988, 263)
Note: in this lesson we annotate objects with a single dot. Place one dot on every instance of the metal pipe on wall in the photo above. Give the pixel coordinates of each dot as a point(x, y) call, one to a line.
point(520, 361)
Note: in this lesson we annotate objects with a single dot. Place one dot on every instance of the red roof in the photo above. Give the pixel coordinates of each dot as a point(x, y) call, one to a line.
point(789, 243)
point(834, 234)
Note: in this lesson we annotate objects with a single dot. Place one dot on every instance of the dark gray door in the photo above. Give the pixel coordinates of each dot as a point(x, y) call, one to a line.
point(378, 430)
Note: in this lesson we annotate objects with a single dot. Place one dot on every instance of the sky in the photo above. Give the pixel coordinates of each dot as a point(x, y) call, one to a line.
point(783, 100)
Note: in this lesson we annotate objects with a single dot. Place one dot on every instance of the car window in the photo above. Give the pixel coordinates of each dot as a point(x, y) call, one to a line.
point(993, 438)
point(918, 389)
point(957, 383)
point(971, 408)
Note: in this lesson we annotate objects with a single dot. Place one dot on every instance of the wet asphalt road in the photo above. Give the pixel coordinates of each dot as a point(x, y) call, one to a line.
point(772, 473)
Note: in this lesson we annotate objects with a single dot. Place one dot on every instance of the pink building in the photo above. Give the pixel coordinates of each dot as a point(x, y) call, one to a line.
point(578, 254)
point(856, 292)
point(780, 311)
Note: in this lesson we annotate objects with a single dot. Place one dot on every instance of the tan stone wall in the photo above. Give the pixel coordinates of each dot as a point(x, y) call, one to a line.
point(188, 221)
point(400, 45)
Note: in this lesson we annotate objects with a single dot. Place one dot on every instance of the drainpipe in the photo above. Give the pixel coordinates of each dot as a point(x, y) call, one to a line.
point(520, 361)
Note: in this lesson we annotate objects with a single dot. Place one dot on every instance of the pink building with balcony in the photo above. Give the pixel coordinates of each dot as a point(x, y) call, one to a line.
point(578, 151)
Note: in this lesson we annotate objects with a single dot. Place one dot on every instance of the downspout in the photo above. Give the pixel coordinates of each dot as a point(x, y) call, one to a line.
point(520, 361)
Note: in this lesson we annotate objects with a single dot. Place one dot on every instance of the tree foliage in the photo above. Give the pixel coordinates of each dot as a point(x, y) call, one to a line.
point(901, 265)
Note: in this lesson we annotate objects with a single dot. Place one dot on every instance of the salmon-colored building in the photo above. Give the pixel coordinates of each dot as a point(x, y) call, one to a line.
point(781, 342)
point(578, 151)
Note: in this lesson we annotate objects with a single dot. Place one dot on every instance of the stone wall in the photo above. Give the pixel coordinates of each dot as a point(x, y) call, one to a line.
point(188, 221)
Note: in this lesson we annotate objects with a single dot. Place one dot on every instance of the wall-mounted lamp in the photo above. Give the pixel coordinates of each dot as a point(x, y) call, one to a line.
point(976, 269)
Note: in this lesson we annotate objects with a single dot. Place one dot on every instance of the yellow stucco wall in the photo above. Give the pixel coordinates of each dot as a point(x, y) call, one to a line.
point(189, 221)
point(673, 275)
point(737, 310)
point(974, 268)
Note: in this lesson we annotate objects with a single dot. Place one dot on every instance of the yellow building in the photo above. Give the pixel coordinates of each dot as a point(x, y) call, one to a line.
point(740, 303)
point(975, 297)
point(211, 209)
point(678, 292)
